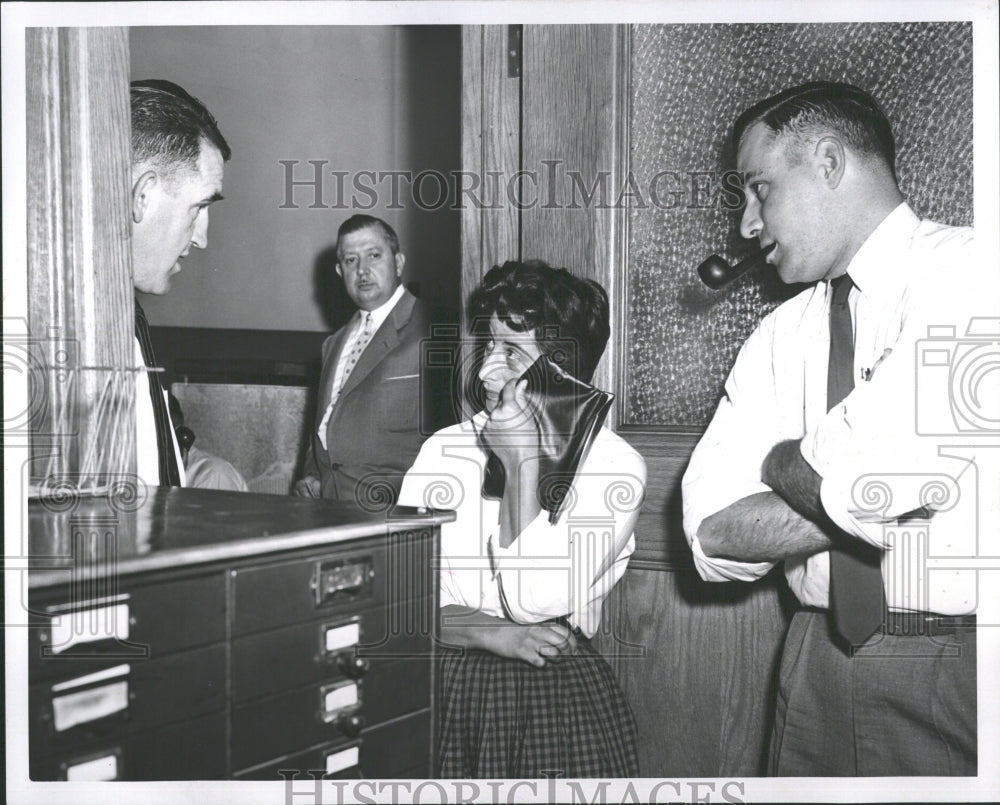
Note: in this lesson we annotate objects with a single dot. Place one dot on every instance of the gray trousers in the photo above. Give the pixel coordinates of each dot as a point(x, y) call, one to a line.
point(903, 705)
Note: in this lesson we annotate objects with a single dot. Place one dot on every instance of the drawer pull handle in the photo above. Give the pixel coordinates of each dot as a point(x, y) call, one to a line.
point(351, 725)
point(339, 579)
point(353, 667)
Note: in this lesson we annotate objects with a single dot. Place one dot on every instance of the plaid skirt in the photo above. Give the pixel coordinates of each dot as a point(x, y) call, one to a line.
point(501, 718)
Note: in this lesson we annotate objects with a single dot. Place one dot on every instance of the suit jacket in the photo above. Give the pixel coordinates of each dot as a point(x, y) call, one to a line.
point(383, 415)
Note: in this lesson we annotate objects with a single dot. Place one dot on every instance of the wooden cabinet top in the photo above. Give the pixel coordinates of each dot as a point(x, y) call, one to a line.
point(106, 534)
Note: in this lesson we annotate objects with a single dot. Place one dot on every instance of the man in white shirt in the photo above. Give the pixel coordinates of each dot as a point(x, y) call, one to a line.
point(373, 411)
point(847, 486)
point(177, 166)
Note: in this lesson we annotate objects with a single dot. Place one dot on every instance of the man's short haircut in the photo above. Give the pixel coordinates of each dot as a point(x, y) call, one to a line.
point(168, 126)
point(804, 112)
point(567, 315)
point(358, 222)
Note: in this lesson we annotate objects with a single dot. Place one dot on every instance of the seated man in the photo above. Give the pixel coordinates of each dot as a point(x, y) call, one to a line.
point(201, 469)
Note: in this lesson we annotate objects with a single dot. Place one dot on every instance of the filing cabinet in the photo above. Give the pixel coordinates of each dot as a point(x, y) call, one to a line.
point(211, 635)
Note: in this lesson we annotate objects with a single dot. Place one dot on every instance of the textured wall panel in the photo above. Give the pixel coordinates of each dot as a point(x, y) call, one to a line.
point(689, 82)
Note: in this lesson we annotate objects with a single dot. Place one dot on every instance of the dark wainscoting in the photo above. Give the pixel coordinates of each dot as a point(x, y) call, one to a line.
point(697, 661)
point(263, 357)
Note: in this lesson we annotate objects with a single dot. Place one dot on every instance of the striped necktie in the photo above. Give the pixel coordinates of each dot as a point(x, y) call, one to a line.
point(857, 597)
point(169, 473)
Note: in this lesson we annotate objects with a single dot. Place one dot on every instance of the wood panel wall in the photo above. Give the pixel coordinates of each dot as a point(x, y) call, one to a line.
point(575, 108)
point(696, 660)
point(491, 142)
point(79, 259)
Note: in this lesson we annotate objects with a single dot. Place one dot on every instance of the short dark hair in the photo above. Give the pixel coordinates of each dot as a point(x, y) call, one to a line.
point(168, 126)
point(562, 311)
point(845, 108)
point(358, 222)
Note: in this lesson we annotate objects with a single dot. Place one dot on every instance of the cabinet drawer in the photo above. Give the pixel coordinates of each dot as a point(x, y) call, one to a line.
point(401, 748)
point(274, 661)
point(269, 597)
point(398, 749)
point(130, 697)
point(76, 637)
point(393, 688)
point(276, 726)
point(190, 750)
point(391, 569)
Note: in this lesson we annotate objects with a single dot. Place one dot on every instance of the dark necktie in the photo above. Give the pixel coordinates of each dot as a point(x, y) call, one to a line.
point(169, 474)
point(857, 599)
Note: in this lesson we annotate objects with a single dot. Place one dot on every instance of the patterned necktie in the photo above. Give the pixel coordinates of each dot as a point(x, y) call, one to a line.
point(343, 371)
point(359, 346)
point(169, 473)
point(857, 598)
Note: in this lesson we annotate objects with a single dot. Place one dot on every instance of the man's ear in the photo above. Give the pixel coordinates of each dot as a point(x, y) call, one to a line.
point(339, 270)
point(400, 262)
point(831, 160)
point(142, 194)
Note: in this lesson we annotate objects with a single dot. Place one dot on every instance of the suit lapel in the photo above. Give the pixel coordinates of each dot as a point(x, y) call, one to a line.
point(384, 341)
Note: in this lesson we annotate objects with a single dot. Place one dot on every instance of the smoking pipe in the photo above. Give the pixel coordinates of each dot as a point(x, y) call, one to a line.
point(716, 272)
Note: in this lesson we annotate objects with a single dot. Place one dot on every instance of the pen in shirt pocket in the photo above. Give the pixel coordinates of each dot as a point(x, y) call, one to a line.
point(867, 374)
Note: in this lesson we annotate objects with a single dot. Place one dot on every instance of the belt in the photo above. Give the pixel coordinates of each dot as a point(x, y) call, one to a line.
point(925, 623)
point(922, 624)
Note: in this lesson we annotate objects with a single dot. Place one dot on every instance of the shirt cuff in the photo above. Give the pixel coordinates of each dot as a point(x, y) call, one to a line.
point(717, 569)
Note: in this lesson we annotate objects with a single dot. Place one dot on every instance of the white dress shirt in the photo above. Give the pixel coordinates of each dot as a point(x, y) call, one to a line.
point(378, 317)
point(550, 570)
point(893, 445)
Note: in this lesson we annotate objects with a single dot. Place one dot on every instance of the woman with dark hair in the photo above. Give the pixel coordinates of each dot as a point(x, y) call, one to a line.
point(523, 578)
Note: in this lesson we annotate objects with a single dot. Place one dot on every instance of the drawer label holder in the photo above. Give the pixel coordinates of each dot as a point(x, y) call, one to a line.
point(89, 701)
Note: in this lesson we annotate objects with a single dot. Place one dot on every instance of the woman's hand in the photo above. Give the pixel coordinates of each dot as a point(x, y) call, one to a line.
point(512, 434)
point(511, 431)
point(537, 644)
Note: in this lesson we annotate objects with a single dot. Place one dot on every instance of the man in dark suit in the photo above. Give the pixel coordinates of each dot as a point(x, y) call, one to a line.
point(370, 418)
point(177, 169)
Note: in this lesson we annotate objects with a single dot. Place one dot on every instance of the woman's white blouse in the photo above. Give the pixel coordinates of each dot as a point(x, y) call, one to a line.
point(550, 570)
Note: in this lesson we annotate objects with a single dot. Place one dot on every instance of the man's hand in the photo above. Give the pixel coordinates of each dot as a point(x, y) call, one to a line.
point(308, 487)
point(791, 477)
